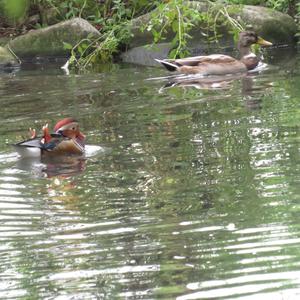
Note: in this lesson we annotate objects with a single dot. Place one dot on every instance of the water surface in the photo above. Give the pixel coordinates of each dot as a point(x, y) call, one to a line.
point(196, 194)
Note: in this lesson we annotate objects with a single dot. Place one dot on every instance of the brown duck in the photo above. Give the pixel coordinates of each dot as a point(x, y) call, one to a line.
point(219, 64)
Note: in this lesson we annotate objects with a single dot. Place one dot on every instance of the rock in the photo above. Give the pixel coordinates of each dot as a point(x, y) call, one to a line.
point(49, 41)
point(274, 26)
point(7, 60)
point(145, 55)
point(139, 37)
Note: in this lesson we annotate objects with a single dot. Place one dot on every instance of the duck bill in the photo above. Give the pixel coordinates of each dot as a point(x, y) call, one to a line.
point(263, 42)
point(81, 136)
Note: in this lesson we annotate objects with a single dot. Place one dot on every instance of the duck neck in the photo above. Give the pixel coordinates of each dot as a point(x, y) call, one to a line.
point(244, 51)
point(248, 58)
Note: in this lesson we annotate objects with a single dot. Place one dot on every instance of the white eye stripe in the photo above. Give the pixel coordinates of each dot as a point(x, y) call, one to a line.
point(72, 125)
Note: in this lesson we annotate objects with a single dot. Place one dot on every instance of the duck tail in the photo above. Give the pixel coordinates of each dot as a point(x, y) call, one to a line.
point(168, 65)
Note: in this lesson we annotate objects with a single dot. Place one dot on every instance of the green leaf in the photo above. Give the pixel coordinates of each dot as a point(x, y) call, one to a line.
point(80, 49)
point(175, 25)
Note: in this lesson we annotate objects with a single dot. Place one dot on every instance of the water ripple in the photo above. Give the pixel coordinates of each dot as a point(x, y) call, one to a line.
point(196, 197)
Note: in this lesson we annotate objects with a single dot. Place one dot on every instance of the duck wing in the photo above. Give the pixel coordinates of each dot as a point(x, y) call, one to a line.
point(215, 64)
point(37, 142)
point(30, 148)
point(203, 59)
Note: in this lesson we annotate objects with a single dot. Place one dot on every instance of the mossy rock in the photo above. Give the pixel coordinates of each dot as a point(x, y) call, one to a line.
point(277, 27)
point(49, 41)
point(146, 55)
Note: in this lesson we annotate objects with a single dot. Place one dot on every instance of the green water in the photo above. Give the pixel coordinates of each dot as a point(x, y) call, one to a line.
point(195, 195)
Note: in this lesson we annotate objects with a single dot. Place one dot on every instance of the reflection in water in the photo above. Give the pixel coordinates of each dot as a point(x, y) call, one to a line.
point(196, 199)
point(59, 165)
point(200, 82)
point(251, 93)
point(252, 100)
point(52, 166)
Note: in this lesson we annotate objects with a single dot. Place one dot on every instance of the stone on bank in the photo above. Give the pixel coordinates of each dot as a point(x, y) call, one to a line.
point(49, 41)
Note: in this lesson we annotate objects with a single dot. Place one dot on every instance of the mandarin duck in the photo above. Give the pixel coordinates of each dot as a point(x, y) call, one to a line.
point(219, 64)
point(66, 139)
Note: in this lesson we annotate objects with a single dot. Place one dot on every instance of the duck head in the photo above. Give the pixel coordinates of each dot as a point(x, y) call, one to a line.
point(69, 128)
point(246, 40)
point(249, 38)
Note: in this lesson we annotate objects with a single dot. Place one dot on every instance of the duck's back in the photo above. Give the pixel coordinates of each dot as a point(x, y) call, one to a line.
point(215, 64)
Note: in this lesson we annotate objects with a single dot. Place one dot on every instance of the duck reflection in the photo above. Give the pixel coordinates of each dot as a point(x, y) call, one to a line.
point(63, 166)
point(200, 82)
point(252, 100)
point(252, 90)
